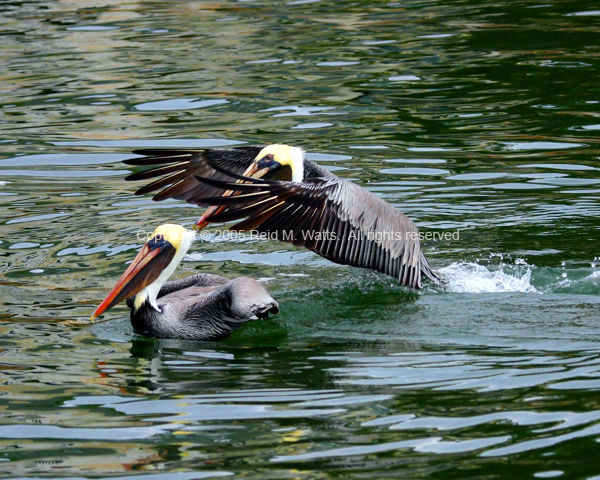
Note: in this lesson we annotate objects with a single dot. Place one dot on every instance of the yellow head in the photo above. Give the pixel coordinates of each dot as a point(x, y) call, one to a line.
point(151, 268)
point(176, 235)
point(274, 156)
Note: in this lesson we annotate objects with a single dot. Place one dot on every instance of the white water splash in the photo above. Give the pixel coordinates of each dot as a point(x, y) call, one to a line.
point(469, 277)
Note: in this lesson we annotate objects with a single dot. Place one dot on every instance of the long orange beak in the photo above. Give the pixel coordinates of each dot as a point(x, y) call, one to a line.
point(145, 268)
point(251, 171)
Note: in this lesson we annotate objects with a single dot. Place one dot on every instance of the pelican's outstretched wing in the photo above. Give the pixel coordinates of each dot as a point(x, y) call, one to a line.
point(335, 218)
point(176, 169)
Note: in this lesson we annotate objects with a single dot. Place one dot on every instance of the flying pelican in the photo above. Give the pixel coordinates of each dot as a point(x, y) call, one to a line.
point(200, 307)
point(284, 194)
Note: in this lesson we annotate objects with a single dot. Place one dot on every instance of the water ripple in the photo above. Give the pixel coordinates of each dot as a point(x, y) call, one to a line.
point(425, 445)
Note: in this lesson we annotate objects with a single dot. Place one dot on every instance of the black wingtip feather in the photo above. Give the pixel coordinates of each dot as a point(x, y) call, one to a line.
point(228, 185)
point(246, 211)
point(155, 161)
point(231, 174)
point(159, 157)
point(235, 200)
point(163, 152)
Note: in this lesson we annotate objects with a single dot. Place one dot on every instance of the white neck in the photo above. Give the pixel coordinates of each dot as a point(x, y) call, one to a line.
point(297, 155)
point(150, 292)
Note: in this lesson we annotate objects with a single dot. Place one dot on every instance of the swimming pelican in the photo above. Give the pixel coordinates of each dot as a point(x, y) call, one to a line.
point(284, 194)
point(200, 307)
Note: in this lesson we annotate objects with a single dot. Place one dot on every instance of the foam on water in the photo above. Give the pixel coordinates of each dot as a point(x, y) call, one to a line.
point(469, 277)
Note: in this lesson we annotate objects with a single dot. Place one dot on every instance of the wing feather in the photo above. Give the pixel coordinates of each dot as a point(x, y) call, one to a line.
point(332, 217)
point(328, 215)
point(180, 166)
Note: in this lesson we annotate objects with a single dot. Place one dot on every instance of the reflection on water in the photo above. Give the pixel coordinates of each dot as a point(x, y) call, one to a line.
point(473, 118)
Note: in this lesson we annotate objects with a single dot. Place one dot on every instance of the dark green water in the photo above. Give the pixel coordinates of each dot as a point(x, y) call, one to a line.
point(480, 118)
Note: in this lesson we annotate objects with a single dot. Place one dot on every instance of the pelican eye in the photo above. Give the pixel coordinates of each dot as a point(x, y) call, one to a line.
point(159, 238)
point(269, 157)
